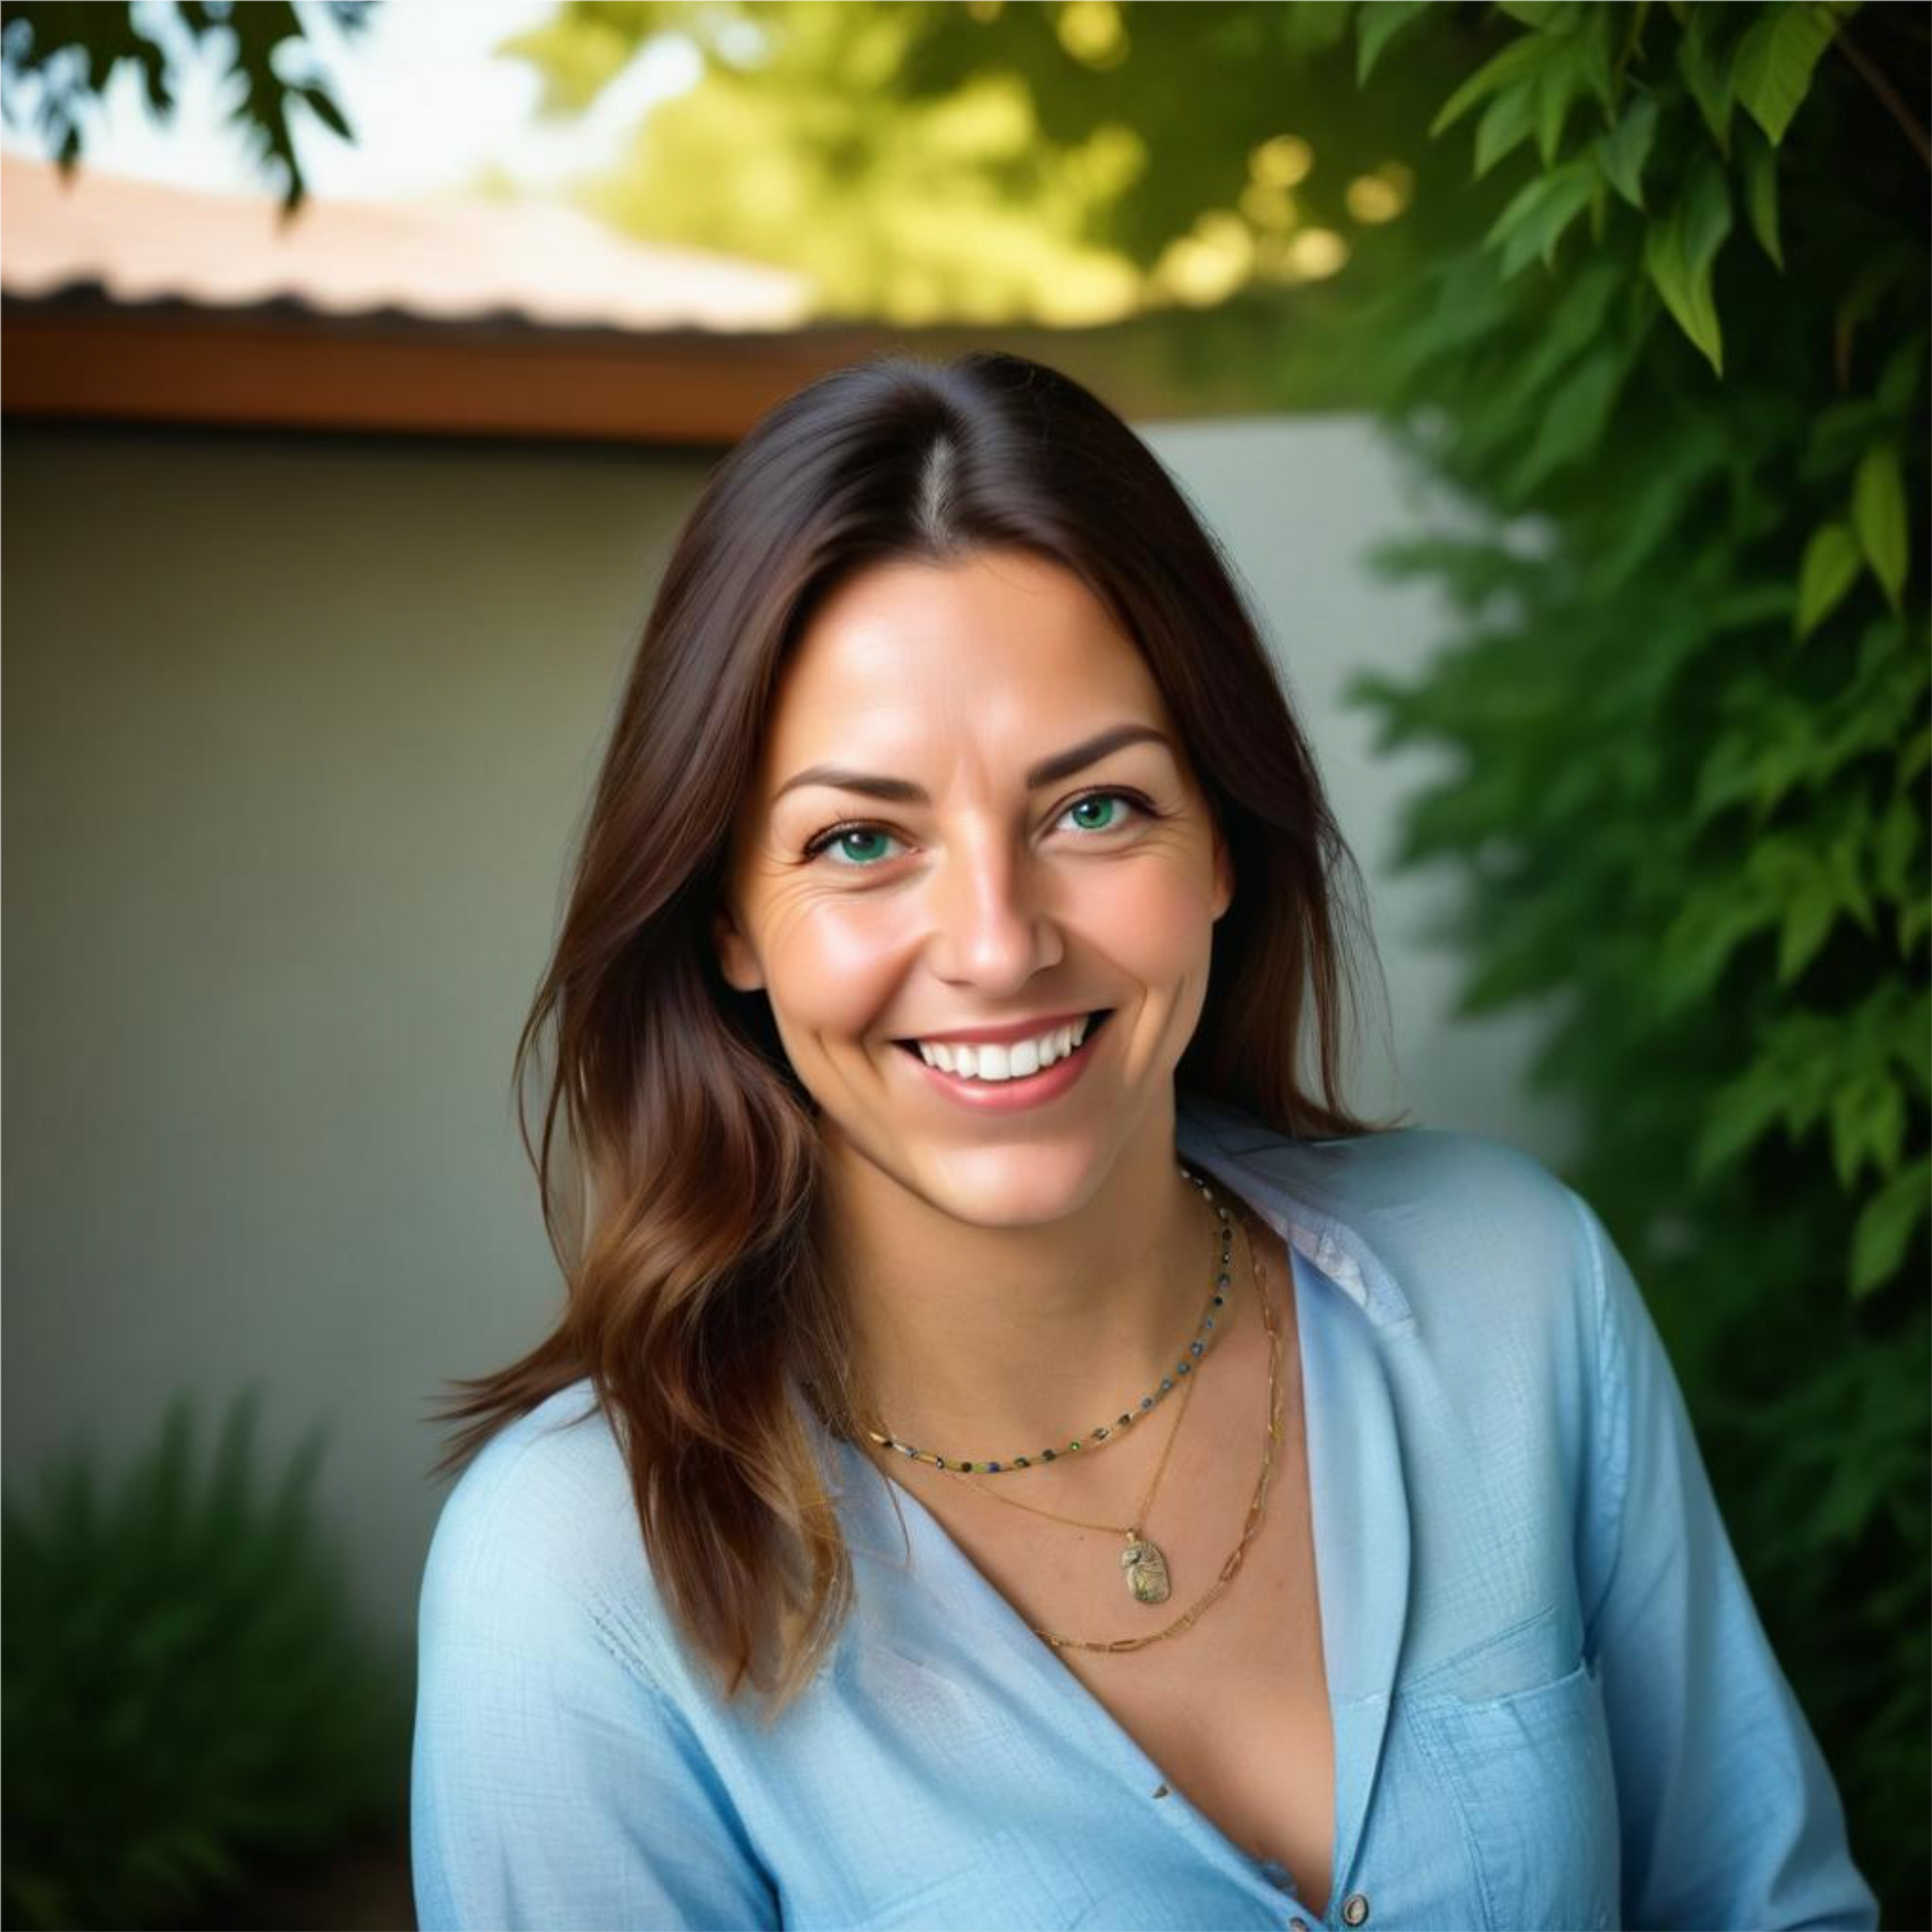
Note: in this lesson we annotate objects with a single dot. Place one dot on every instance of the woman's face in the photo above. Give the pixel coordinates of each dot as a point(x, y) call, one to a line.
point(973, 807)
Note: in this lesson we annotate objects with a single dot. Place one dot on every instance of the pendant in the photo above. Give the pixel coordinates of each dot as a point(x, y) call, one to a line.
point(1146, 1570)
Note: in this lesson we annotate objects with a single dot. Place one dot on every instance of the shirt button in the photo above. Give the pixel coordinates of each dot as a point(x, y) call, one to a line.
point(1298, 1925)
point(1354, 1909)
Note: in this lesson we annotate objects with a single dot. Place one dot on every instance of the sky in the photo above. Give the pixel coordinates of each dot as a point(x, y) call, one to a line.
point(431, 108)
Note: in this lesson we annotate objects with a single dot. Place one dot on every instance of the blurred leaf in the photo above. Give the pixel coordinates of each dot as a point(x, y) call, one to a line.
point(1879, 514)
point(1507, 124)
point(1519, 57)
point(1623, 151)
point(1830, 567)
point(1761, 198)
point(1378, 26)
point(1679, 252)
point(1771, 69)
point(1708, 77)
point(1887, 1224)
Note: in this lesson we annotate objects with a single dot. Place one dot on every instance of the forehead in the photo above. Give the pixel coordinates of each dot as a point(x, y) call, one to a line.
point(903, 654)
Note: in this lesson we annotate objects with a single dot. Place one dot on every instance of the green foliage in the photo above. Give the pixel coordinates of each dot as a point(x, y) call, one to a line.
point(974, 162)
point(189, 1696)
point(1691, 738)
point(61, 54)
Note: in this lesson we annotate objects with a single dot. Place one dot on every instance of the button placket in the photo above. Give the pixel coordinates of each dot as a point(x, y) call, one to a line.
point(1355, 1908)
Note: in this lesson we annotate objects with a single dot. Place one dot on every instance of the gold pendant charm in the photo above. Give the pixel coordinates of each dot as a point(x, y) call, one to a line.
point(1147, 1572)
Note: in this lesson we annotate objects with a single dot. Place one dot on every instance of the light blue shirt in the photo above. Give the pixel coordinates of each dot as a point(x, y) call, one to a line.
point(1553, 1700)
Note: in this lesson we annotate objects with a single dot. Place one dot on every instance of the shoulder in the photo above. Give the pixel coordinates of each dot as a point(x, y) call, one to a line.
point(1415, 1187)
point(1414, 1219)
point(540, 1536)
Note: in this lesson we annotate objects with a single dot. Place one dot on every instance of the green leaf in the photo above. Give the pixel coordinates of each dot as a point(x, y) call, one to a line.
point(1561, 82)
point(1311, 30)
point(1539, 212)
point(1879, 514)
point(1572, 422)
point(1506, 124)
point(1709, 81)
point(1915, 755)
point(1899, 382)
point(1679, 252)
point(1519, 57)
point(1761, 198)
point(1900, 832)
point(1771, 69)
point(1738, 1116)
point(1623, 152)
point(1885, 1225)
point(1868, 1124)
point(1808, 916)
point(1829, 569)
point(1376, 25)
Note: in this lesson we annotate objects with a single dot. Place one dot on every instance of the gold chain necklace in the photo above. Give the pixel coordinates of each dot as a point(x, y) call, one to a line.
point(1102, 1432)
point(1231, 1566)
point(1144, 1565)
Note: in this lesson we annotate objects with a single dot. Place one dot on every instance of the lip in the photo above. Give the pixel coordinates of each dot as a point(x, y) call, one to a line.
point(1012, 1096)
point(1003, 1035)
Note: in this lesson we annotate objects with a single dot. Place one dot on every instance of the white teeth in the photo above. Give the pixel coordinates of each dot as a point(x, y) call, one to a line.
point(1006, 1063)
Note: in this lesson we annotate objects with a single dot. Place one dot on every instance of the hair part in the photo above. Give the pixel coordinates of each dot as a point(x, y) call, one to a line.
point(677, 1153)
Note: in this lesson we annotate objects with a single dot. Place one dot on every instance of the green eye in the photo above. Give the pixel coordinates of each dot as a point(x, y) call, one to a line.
point(1109, 799)
point(856, 836)
point(859, 848)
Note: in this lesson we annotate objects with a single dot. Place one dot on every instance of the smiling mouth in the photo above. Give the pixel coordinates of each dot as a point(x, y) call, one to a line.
point(1095, 1020)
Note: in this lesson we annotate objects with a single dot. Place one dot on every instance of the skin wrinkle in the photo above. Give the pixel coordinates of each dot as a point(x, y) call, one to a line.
point(1009, 1272)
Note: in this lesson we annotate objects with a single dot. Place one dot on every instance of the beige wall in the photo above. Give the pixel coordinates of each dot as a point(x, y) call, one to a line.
point(296, 736)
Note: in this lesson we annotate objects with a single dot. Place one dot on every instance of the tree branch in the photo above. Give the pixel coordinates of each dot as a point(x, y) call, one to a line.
point(1874, 79)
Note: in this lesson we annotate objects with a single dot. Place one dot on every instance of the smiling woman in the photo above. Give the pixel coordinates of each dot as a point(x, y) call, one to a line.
point(956, 907)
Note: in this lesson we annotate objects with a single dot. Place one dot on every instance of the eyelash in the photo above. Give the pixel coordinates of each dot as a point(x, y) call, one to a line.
point(832, 833)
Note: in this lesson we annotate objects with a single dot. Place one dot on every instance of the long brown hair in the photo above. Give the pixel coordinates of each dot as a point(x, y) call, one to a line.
point(679, 1158)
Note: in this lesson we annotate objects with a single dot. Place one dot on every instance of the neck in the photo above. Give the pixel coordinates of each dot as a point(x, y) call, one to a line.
point(990, 1342)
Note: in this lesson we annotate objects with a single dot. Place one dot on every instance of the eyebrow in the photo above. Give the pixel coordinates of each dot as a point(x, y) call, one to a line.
point(1049, 771)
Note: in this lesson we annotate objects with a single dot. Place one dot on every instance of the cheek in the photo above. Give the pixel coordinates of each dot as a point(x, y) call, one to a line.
point(1155, 920)
point(831, 965)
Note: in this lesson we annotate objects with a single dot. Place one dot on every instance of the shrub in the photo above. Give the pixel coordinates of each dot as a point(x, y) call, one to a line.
point(188, 1696)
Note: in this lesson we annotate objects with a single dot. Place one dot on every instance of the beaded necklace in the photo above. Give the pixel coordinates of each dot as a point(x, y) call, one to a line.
point(1144, 1564)
point(1105, 1432)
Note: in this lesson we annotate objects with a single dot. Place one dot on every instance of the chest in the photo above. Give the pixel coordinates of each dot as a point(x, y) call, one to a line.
point(1232, 1710)
point(1236, 1710)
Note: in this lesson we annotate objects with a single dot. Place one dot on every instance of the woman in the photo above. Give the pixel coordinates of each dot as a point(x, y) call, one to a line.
point(1013, 1455)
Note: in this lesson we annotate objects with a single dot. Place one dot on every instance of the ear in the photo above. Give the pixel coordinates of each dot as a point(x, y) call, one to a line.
point(735, 959)
point(1223, 874)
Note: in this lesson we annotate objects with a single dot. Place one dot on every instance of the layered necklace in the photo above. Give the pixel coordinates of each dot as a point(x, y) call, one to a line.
point(1144, 1565)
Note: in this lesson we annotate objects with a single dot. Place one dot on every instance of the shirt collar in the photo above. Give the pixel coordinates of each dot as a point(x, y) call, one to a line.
point(1309, 1191)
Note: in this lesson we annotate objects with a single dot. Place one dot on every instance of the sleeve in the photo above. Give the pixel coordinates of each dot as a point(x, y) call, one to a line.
point(1729, 1814)
point(552, 1783)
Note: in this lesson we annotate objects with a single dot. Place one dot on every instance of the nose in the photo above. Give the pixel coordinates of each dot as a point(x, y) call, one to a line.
point(991, 927)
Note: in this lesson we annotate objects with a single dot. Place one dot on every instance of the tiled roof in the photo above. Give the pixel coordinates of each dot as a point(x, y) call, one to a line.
point(139, 242)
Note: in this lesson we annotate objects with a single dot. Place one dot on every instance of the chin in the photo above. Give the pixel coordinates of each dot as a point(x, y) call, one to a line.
point(1015, 1185)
